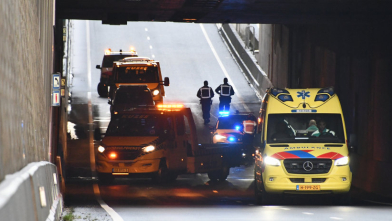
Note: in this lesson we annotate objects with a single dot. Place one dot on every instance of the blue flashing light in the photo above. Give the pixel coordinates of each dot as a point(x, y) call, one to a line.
point(276, 91)
point(321, 97)
point(237, 127)
point(231, 139)
point(224, 113)
point(329, 91)
point(284, 97)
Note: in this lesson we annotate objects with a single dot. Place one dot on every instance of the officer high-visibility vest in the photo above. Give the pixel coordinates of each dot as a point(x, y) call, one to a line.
point(249, 126)
point(225, 90)
point(205, 92)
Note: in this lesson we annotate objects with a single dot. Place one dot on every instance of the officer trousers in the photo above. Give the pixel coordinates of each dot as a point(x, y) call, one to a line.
point(224, 104)
point(206, 108)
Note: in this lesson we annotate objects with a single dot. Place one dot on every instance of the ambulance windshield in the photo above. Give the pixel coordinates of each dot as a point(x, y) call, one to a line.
point(139, 125)
point(305, 128)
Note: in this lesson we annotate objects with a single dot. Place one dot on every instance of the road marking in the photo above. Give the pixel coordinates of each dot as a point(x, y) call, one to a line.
point(223, 67)
point(105, 206)
point(337, 218)
point(150, 46)
point(148, 38)
point(306, 213)
point(153, 56)
point(146, 29)
point(97, 194)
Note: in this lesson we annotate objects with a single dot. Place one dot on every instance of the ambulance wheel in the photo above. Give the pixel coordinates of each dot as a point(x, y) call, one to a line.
point(220, 175)
point(261, 196)
point(105, 178)
point(102, 90)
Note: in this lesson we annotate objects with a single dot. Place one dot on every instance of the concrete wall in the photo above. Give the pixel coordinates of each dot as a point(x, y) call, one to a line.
point(26, 62)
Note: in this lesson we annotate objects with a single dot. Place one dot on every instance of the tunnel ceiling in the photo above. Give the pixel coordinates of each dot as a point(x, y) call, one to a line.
point(228, 11)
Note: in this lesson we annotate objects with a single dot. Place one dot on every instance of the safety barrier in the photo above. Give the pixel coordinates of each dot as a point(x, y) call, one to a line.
point(31, 194)
point(252, 71)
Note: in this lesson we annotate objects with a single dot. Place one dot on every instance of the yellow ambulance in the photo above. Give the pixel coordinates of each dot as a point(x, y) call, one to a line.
point(301, 145)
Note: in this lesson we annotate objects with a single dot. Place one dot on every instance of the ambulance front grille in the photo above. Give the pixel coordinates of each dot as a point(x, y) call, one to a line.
point(307, 166)
point(124, 154)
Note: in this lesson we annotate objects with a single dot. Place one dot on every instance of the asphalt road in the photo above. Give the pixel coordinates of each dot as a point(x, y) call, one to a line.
point(189, 54)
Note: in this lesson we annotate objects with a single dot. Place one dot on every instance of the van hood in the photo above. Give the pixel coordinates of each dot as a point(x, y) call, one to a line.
point(318, 151)
point(128, 141)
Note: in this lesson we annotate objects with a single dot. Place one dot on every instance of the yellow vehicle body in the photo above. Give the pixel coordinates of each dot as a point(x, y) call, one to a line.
point(294, 160)
point(128, 72)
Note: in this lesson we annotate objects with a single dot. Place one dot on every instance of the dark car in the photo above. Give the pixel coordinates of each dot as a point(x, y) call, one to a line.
point(129, 97)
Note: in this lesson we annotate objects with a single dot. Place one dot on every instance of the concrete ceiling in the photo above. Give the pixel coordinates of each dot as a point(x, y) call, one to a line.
point(228, 11)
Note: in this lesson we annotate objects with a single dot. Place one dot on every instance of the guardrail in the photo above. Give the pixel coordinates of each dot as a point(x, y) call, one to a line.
point(31, 194)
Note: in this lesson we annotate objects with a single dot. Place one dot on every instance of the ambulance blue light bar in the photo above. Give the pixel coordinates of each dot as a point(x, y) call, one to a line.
point(224, 113)
point(276, 91)
point(237, 127)
point(231, 139)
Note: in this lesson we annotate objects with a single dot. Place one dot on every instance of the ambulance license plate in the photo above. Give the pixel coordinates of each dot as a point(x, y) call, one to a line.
point(120, 170)
point(308, 187)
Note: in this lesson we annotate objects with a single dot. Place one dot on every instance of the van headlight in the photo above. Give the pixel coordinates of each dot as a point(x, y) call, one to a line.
point(341, 161)
point(219, 137)
point(101, 149)
point(149, 148)
point(155, 92)
point(271, 161)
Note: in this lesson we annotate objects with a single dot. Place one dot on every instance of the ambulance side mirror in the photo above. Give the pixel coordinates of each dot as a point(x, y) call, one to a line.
point(166, 82)
point(352, 142)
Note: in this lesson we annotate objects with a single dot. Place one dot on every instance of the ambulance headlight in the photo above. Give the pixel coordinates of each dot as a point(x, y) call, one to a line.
point(155, 92)
point(101, 149)
point(219, 137)
point(271, 161)
point(341, 161)
point(148, 149)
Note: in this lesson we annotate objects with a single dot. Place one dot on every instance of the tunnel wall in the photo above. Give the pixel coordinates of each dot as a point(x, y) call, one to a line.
point(357, 61)
point(26, 62)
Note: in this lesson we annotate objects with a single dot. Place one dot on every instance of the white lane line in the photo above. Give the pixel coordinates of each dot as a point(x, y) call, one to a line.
point(146, 29)
point(97, 194)
point(148, 38)
point(285, 208)
point(223, 67)
point(306, 213)
point(150, 46)
point(105, 206)
point(337, 218)
point(153, 56)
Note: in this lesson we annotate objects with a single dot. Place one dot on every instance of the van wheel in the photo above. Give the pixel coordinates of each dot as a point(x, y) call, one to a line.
point(102, 90)
point(220, 175)
point(105, 178)
point(163, 175)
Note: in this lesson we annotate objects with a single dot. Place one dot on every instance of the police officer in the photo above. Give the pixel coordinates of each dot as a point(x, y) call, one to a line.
point(205, 94)
point(226, 91)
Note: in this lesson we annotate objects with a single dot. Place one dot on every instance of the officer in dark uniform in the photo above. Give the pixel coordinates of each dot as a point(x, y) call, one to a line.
point(226, 91)
point(205, 94)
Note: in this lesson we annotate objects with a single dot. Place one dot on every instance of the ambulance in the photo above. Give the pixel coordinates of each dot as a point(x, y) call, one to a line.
point(107, 67)
point(139, 71)
point(301, 145)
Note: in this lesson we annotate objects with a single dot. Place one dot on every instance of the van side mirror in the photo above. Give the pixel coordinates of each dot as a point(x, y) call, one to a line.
point(110, 102)
point(166, 82)
point(98, 67)
point(352, 142)
point(97, 134)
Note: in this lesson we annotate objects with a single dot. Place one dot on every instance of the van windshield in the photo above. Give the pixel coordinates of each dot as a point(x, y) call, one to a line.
point(140, 125)
point(137, 74)
point(305, 128)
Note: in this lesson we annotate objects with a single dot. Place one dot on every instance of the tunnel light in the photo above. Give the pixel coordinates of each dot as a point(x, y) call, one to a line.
point(101, 149)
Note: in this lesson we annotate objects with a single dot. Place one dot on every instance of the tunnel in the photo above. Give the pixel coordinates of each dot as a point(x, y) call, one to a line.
point(297, 44)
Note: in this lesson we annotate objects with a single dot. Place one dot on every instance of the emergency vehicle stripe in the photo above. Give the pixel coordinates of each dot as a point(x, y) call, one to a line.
point(301, 154)
point(284, 155)
point(331, 155)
